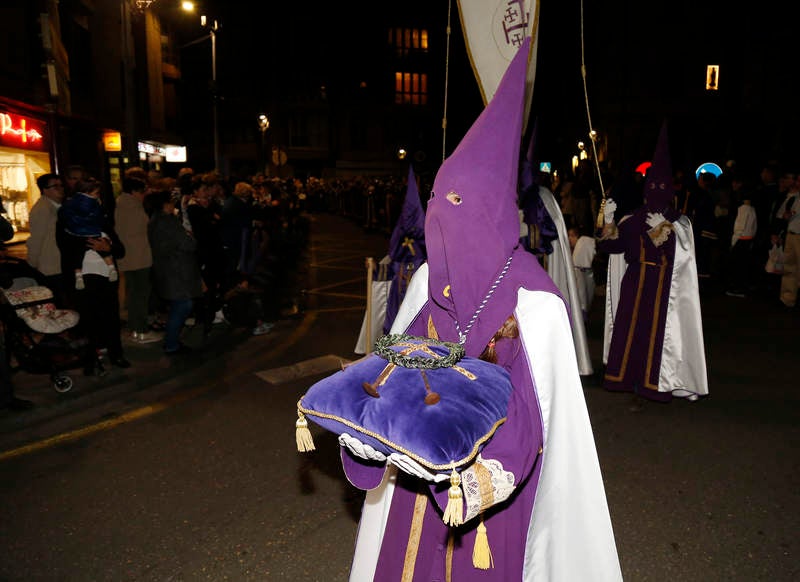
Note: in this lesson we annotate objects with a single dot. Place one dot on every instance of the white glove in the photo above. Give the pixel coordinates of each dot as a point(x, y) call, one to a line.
point(360, 449)
point(410, 466)
point(402, 462)
point(608, 210)
point(654, 219)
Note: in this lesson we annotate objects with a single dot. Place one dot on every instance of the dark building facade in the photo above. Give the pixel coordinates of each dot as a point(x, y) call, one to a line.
point(351, 90)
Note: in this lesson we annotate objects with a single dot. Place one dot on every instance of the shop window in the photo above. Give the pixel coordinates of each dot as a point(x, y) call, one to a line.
point(18, 191)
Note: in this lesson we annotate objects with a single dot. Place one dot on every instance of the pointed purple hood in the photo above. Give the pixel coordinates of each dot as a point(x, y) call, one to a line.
point(472, 221)
point(406, 249)
point(409, 231)
point(658, 190)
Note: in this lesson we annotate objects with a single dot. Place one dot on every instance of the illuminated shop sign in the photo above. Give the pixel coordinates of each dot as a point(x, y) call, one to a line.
point(176, 153)
point(112, 141)
point(21, 132)
point(152, 148)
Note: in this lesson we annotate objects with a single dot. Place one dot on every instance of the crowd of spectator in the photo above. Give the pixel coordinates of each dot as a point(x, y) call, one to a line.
point(202, 248)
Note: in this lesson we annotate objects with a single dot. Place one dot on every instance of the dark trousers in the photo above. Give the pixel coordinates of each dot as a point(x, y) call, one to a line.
point(137, 298)
point(179, 310)
point(98, 306)
point(56, 284)
point(740, 266)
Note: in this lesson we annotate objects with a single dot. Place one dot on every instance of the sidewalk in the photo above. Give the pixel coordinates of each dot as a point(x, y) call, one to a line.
point(93, 397)
point(120, 390)
point(153, 376)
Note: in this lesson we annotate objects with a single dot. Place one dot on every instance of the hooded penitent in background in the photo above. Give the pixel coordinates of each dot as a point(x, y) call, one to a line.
point(406, 248)
point(392, 275)
point(653, 343)
point(535, 491)
point(547, 238)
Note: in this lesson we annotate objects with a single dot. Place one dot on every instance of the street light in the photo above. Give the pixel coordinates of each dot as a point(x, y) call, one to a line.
point(263, 125)
point(212, 34)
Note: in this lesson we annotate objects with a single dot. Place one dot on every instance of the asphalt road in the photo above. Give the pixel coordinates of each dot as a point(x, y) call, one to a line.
point(189, 471)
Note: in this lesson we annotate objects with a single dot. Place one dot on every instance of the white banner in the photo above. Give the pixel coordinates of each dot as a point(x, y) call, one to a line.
point(493, 30)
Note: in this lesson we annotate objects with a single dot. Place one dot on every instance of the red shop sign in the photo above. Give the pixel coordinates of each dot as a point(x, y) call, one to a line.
point(18, 131)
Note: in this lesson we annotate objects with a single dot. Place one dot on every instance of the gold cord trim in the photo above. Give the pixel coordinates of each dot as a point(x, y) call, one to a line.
point(400, 449)
point(654, 329)
point(448, 560)
point(629, 339)
point(414, 535)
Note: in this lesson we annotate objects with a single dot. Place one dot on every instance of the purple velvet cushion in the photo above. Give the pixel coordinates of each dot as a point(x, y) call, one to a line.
point(406, 416)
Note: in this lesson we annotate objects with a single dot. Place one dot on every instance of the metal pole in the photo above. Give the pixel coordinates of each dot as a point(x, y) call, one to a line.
point(213, 33)
point(131, 149)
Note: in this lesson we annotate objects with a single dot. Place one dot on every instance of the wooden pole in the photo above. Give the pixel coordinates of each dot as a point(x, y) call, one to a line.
point(370, 270)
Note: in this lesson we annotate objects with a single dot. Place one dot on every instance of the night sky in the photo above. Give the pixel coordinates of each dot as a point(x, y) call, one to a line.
point(645, 63)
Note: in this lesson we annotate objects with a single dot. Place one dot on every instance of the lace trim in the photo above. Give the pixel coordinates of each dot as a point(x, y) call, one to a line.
point(485, 483)
point(660, 234)
point(610, 232)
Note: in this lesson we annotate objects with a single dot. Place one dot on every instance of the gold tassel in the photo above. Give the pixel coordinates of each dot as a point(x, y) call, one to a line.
point(481, 554)
point(601, 215)
point(454, 512)
point(302, 435)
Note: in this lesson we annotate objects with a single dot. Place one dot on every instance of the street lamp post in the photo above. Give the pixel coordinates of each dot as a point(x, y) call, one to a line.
point(212, 33)
point(263, 125)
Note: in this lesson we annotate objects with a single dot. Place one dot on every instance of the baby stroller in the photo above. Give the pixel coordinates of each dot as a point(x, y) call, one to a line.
point(40, 338)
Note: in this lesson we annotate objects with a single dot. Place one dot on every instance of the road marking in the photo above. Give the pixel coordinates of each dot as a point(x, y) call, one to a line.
point(104, 425)
point(343, 295)
point(302, 369)
point(144, 411)
point(338, 284)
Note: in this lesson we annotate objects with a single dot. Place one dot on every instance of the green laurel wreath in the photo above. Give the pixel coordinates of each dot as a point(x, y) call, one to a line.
point(383, 348)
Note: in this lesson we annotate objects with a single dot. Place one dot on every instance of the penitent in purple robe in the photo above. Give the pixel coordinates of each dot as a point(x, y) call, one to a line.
point(653, 332)
point(406, 248)
point(634, 360)
point(536, 485)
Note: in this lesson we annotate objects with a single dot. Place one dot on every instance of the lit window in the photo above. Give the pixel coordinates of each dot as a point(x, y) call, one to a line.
point(712, 78)
point(405, 40)
point(410, 88)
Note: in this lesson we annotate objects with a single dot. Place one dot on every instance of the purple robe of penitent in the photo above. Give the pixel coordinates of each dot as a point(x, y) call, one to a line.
point(536, 485)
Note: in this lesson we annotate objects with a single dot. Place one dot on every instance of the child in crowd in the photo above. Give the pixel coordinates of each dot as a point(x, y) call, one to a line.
point(83, 218)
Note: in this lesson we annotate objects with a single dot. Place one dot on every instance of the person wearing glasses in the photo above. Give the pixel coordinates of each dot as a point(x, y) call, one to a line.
point(43, 252)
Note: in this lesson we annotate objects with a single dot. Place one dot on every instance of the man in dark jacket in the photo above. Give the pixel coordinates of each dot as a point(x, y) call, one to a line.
point(176, 271)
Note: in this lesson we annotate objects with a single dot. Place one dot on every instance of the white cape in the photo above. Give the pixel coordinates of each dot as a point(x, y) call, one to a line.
point(562, 272)
point(376, 310)
point(380, 295)
point(570, 537)
point(683, 358)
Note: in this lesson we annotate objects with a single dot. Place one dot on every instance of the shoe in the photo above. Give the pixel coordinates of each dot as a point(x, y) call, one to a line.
point(182, 350)
point(219, 317)
point(190, 322)
point(146, 337)
point(120, 362)
point(263, 328)
point(18, 404)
